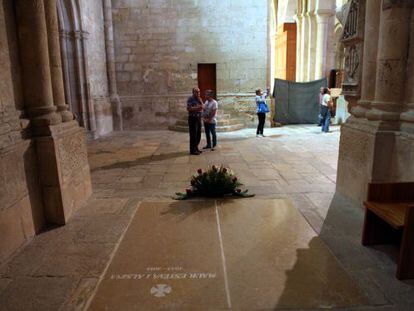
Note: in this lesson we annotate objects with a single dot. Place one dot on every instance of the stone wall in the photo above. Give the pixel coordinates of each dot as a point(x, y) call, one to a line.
point(20, 201)
point(93, 23)
point(158, 44)
point(63, 171)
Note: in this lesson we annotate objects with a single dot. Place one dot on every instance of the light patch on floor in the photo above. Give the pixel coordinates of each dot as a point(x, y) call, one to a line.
point(230, 254)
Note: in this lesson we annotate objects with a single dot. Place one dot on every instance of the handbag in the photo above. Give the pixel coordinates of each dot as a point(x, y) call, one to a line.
point(263, 108)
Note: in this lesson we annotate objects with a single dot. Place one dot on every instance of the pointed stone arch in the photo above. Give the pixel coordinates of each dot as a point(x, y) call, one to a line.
point(340, 48)
point(74, 63)
point(273, 9)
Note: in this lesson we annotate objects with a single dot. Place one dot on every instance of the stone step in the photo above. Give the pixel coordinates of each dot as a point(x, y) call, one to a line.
point(225, 128)
point(228, 122)
point(220, 122)
point(178, 128)
point(230, 128)
point(221, 116)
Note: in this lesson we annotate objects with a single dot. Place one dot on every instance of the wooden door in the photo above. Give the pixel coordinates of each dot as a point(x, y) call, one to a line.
point(207, 79)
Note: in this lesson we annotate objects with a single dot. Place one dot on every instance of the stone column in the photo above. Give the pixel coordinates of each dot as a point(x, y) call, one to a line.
point(110, 66)
point(391, 65)
point(322, 23)
point(34, 60)
point(61, 154)
point(305, 47)
point(299, 39)
point(56, 60)
point(312, 60)
point(64, 36)
point(87, 109)
point(407, 117)
point(369, 66)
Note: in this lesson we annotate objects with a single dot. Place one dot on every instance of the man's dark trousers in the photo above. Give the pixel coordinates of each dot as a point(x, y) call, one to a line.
point(194, 127)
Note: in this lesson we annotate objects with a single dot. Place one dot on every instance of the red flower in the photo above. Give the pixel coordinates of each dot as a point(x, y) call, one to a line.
point(234, 179)
point(224, 170)
point(188, 191)
point(238, 190)
point(200, 171)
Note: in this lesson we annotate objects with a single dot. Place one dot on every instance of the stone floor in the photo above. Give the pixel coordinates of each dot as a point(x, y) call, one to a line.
point(61, 267)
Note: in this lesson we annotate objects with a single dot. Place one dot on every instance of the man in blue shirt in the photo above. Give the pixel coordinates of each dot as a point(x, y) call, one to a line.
point(194, 108)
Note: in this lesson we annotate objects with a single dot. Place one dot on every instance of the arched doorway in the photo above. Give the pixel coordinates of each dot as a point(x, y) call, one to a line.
point(339, 55)
point(74, 63)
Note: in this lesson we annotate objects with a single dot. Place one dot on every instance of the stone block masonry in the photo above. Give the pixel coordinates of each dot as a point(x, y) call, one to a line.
point(158, 45)
point(19, 202)
point(64, 171)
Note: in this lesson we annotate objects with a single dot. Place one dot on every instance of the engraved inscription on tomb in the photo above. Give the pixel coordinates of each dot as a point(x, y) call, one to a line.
point(165, 273)
point(164, 276)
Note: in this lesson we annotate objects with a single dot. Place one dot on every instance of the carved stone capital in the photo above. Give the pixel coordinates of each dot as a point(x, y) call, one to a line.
point(79, 35)
point(64, 33)
point(298, 18)
point(324, 13)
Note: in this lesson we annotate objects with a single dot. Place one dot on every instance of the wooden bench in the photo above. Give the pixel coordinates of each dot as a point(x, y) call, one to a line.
point(389, 217)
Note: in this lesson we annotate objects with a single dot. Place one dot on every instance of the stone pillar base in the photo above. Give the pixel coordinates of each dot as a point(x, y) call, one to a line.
point(64, 171)
point(365, 155)
point(116, 112)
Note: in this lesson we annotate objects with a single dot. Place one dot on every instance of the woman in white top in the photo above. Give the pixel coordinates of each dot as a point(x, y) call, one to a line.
point(326, 106)
point(210, 120)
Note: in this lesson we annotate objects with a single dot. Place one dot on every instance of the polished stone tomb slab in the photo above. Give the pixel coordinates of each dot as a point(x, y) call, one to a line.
point(230, 254)
point(274, 259)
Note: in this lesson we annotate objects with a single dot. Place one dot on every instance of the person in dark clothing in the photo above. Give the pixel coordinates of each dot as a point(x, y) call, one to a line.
point(194, 108)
